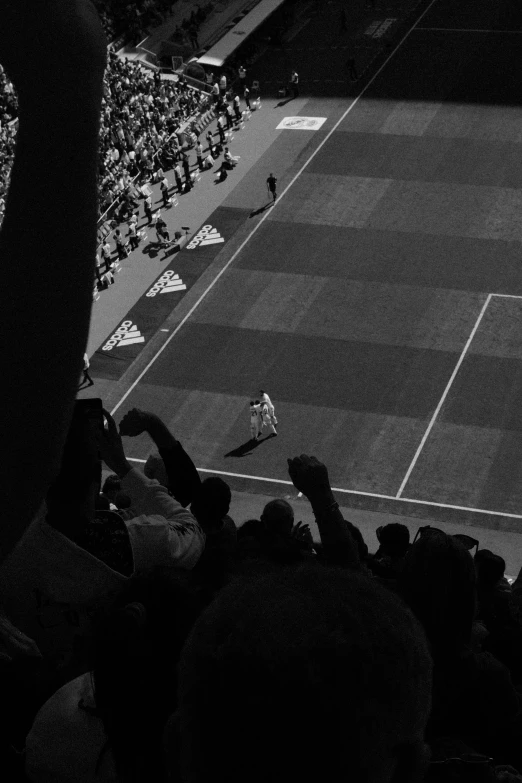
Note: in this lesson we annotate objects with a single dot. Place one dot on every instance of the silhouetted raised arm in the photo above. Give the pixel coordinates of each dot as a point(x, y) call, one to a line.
point(54, 52)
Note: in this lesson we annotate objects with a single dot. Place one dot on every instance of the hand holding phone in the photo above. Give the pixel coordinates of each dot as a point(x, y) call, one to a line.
point(111, 447)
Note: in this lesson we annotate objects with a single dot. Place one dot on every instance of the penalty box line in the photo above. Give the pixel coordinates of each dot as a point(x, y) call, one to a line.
point(266, 214)
point(443, 398)
point(352, 492)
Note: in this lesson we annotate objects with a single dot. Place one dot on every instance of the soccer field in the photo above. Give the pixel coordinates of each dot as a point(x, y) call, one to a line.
point(380, 300)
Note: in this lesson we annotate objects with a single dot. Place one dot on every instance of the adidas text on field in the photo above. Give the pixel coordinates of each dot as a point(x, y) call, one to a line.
point(205, 236)
point(126, 334)
point(169, 281)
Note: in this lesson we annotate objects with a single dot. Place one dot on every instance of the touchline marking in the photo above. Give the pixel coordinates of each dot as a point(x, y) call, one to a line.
point(468, 30)
point(508, 296)
point(444, 395)
point(355, 492)
point(264, 217)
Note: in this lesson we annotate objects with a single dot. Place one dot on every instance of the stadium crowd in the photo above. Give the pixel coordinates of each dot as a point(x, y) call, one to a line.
point(8, 114)
point(161, 625)
point(146, 632)
point(131, 21)
point(141, 115)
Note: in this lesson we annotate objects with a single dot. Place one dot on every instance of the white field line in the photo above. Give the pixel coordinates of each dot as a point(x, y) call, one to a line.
point(508, 296)
point(353, 492)
point(444, 395)
point(264, 217)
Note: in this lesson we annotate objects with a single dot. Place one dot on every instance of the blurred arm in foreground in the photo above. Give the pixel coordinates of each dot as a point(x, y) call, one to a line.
point(54, 52)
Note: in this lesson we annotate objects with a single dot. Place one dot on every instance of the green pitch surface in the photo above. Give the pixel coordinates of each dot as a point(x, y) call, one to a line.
point(380, 301)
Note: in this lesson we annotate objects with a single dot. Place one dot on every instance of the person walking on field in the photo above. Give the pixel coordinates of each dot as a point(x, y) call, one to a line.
point(294, 81)
point(266, 420)
point(265, 400)
point(246, 96)
point(271, 184)
point(86, 377)
point(255, 420)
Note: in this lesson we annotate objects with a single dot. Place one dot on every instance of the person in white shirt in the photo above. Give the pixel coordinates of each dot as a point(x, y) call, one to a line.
point(266, 419)
point(255, 420)
point(265, 399)
point(86, 378)
point(223, 84)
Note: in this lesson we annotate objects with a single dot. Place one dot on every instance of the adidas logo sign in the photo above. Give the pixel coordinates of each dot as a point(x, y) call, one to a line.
point(205, 236)
point(126, 334)
point(169, 281)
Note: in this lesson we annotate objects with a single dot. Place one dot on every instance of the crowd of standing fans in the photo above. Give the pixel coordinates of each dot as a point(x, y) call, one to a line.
point(131, 19)
point(148, 632)
point(178, 623)
point(141, 114)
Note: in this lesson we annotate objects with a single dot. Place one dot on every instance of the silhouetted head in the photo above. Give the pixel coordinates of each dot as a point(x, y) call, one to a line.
point(278, 516)
point(439, 583)
point(394, 539)
point(321, 672)
point(212, 501)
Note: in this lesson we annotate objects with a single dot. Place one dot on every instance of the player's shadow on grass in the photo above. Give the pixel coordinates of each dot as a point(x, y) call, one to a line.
point(283, 103)
point(247, 448)
point(261, 209)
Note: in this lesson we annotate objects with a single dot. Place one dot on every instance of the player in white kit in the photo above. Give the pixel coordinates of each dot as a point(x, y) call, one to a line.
point(269, 418)
point(255, 419)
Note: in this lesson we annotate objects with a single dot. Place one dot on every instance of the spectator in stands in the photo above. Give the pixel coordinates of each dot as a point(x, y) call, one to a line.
point(210, 506)
point(148, 208)
point(237, 108)
point(388, 561)
point(133, 235)
point(121, 247)
point(229, 116)
point(221, 128)
point(199, 154)
point(162, 233)
point(164, 187)
point(230, 161)
point(107, 724)
point(473, 695)
point(209, 500)
point(495, 612)
point(307, 646)
point(223, 84)
point(177, 176)
point(186, 168)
